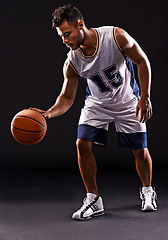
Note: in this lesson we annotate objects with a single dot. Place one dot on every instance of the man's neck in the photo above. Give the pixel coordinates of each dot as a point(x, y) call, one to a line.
point(89, 45)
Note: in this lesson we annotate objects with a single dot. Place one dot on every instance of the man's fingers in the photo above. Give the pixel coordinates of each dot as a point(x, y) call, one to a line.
point(45, 114)
point(147, 115)
point(36, 109)
point(141, 117)
point(150, 113)
point(144, 117)
point(137, 111)
point(145, 109)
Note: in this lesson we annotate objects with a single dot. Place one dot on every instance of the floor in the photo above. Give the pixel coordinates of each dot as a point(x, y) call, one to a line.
point(38, 206)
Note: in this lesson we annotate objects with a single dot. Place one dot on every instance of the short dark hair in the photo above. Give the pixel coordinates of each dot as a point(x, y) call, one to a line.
point(66, 12)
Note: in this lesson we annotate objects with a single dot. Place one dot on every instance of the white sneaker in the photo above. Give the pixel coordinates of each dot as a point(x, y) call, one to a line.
point(92, 206)
point(148, 198)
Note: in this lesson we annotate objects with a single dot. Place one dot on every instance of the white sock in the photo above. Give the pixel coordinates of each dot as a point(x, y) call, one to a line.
point(91, 196)
point(147, 188)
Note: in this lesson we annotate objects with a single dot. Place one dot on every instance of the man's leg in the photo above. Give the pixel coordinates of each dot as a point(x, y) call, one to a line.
point(87, 165)
point(143, 164)
point(93, 203)
point(148, 195)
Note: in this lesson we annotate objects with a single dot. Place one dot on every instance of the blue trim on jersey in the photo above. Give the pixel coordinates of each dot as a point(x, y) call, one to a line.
point(133, 83)
point(96, 135)
point(87, 89)
point(132, 140)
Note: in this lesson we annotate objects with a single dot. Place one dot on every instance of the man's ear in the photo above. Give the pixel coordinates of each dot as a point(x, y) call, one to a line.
point(80, 24)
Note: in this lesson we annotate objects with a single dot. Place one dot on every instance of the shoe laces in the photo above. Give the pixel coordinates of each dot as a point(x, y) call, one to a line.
point(86, 202)
point(148, 195)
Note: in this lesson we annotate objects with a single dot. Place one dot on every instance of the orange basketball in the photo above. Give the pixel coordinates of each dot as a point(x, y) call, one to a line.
point(28, 127)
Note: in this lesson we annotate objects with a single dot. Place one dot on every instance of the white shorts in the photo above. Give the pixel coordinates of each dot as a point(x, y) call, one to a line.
point(96, 117)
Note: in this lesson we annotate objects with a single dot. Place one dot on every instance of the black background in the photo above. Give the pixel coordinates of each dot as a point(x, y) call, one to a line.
point(31, 60)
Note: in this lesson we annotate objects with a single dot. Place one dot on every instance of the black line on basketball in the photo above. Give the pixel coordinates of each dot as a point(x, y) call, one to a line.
point(31, 119)
point(41, 116)
point(28, 130)
point(31, 140)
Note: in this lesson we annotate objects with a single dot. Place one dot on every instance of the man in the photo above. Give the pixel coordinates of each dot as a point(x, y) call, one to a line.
point(102, 56)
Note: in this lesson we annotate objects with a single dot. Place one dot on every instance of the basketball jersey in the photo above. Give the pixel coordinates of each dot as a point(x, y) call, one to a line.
point(108, 73)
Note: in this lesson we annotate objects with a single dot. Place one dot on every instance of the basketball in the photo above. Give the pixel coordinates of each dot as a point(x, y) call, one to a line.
point(28, 127)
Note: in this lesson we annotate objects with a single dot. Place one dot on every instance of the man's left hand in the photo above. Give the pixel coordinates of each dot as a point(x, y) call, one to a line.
point(145, 107)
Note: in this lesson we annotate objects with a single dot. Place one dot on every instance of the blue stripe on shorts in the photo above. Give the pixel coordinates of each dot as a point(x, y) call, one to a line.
point(132, 140)
point(99, 137)
point(96, 135)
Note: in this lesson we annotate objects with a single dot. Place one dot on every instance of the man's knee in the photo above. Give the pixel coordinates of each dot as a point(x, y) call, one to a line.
point(83, 146)
point(140, 153)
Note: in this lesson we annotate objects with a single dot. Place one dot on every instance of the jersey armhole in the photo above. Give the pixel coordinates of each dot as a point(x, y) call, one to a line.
point(73, 66)
point(115, 40)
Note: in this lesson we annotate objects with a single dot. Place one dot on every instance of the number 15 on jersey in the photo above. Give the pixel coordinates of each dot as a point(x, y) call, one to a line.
point(112, 75)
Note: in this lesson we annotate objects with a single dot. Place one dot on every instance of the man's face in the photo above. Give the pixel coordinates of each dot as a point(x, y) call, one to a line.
point(71, 34)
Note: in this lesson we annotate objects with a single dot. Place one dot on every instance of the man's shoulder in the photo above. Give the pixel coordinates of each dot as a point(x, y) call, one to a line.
point(71, 54)
point(104, 28)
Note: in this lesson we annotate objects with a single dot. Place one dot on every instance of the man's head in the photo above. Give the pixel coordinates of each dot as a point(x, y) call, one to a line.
point(69, 23)
point(66, 13)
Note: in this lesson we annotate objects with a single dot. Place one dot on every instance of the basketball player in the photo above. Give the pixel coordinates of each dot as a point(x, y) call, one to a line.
point(103, 57)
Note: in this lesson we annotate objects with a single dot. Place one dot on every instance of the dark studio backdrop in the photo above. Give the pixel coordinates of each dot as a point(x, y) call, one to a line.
point(31, 60)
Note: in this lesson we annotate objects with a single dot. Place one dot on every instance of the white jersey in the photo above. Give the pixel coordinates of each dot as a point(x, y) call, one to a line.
point(108, 73)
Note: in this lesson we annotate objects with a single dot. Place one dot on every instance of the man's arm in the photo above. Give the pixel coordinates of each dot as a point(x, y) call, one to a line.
point(134, 52)
point(67, 95)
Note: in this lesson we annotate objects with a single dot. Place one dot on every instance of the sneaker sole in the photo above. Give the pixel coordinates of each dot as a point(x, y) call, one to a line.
point(148, 208)
point(95, 214)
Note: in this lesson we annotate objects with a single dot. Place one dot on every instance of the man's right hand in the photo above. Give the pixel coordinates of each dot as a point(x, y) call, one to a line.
point(45, 114)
